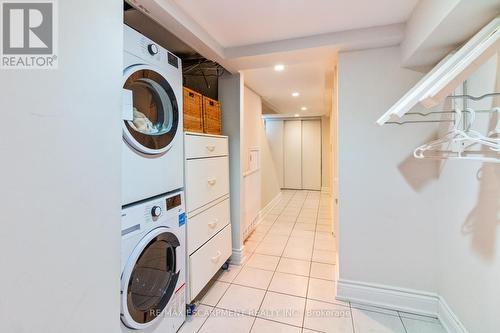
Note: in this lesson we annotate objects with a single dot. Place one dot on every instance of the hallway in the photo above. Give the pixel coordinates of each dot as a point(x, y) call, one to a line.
point(288, 283)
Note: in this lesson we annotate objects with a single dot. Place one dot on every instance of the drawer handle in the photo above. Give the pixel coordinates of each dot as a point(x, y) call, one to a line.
point(210, 148)
point(212, 181)
point(217, 257)
point(214, 223)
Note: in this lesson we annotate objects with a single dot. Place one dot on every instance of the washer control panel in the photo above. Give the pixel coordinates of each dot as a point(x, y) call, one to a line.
point(167, 210)
point(173, 202)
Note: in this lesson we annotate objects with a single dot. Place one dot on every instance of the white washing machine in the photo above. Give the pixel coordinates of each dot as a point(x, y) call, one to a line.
point(153, 297)
point(152, 150)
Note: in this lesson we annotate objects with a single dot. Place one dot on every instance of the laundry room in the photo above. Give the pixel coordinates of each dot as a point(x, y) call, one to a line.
point(184, 166)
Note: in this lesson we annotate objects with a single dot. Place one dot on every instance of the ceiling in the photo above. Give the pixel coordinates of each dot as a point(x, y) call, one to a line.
point(303, 35)
point(311, 79)
point(235, 23)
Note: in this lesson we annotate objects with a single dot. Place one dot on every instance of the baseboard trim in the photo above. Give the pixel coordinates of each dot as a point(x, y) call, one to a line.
point(238, 256)
point(449, 319)
point(248, 231)
point(401, 299)
point(405, 300)
point(326, 189)
point(269, 206)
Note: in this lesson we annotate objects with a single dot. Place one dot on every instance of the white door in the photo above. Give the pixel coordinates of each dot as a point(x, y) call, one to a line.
point(292, 159)
point(274, 133)
point(311, 155)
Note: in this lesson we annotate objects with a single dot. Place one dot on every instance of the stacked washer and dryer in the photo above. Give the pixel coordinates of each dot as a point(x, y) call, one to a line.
point(153, 214)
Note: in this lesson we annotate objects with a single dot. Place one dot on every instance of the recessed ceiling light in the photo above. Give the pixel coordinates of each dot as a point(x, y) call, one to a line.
point(279, 67)
point(296, 115)
point(295, 94)
point(303, 108)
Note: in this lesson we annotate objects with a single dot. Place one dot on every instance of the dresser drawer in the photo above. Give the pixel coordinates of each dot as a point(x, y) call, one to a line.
point(199, 146)
point(204, 263)
point(207, 179)
point(205, 225)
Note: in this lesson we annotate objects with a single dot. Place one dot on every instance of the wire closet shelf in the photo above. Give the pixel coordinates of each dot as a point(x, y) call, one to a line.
point(461, 142)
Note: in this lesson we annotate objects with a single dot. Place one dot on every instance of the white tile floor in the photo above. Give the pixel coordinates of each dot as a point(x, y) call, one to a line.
point(288, 283)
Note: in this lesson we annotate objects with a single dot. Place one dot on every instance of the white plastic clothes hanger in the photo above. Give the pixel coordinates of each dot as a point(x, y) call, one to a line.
point(459, 140)
point(467, 138)
point(448, 138)
point(495, 133)
point(474, 137)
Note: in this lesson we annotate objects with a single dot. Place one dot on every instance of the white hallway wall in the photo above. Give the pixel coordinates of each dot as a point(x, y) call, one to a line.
point(231, 88)
point(326, 154)
point(273, 137)
point(252, 124)
point(424, 226)
point(241, 121)
point(254, 136)
point(250, 142)
point(60, 198)
point(387, 231)
point(468, 224)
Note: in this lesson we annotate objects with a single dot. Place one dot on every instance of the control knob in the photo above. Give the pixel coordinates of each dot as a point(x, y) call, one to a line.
point(156, 211)
point(153, 49)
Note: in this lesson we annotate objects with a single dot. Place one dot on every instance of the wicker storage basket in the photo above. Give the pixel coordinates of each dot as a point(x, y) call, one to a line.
point(193, 111)
point(211, 116)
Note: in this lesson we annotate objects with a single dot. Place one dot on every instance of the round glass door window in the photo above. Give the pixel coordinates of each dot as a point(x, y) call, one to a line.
point(152, 280)
point(155, 112)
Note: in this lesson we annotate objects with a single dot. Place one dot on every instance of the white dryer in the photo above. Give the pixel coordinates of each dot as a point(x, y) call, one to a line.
point(153, 297)
point(152, 150)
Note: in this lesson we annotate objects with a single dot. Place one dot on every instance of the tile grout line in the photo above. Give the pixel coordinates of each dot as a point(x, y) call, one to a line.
point(204, 321)
point(265, 292)
point(215, 306)
point(279, 260)
point(283, 252)
point(293, 198)
point(308, 282)
point(266, 233)
point(267, 289)
point(266, 319)
point(253, 323)
point(310, 268)
point(402, 322)
point(282, 293)
point(230, 284)
point(352, 318)
point(272, 224)
point(281, 256)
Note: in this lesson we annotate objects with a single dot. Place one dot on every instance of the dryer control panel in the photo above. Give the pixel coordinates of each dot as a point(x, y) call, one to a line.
point(149, 50)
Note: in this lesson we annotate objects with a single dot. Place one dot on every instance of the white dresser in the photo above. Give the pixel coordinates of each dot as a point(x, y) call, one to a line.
point(207, 206)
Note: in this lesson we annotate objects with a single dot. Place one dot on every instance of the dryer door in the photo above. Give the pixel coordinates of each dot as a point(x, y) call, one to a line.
point(153, 116)
point(149, 278)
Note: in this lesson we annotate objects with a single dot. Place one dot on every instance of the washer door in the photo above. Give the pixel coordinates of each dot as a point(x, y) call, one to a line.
point(149, 278)
point(155, 111)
